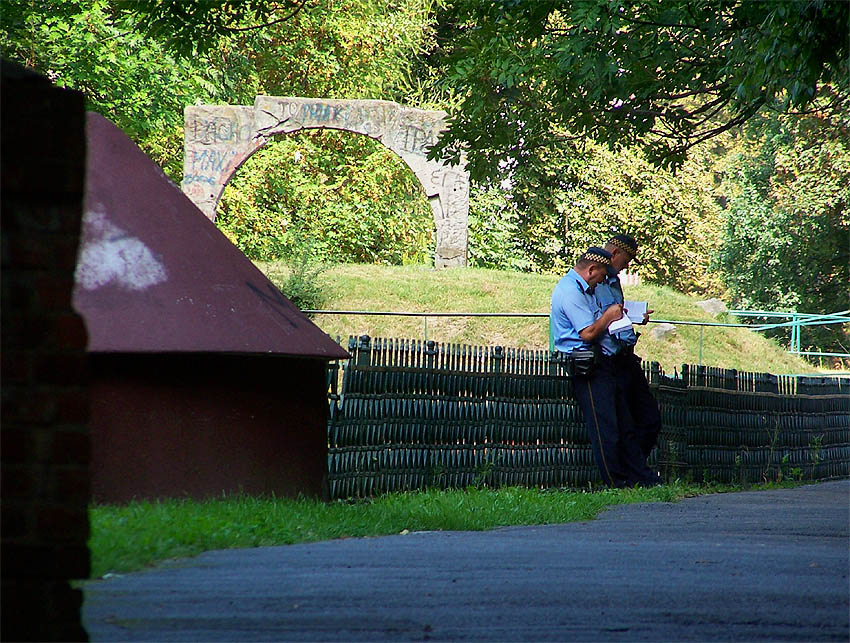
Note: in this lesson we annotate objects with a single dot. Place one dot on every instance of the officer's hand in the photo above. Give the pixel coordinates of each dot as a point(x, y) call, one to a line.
point(613, 312)
point(646, 317)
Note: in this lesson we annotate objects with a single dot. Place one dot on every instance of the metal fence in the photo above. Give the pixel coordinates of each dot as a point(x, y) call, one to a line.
point(411, 415)
point(795, 326)
point(797, 322)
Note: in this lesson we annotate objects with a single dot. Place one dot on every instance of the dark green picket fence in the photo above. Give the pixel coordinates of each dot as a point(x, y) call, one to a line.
point(411, 415)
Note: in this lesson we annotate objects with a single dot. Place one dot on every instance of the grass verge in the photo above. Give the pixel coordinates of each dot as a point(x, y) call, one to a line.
point(477, 290)
point(131, 537)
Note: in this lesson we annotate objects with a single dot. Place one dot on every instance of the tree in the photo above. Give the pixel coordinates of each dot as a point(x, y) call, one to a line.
point(662, 75)
point(356, 200)
point(579, 197)
point(786, 235)
point(348, 196)
point(126, 77)
point(197, 26)
point(140, 63)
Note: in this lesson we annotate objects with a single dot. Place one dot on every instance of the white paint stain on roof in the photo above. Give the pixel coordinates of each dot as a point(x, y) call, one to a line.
point(111, 256)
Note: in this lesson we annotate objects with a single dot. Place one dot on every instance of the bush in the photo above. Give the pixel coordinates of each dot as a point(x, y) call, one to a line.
point(302, 285)
point(494, 231)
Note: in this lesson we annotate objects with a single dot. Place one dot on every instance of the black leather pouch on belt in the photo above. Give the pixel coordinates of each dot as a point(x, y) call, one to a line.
point(582, 362)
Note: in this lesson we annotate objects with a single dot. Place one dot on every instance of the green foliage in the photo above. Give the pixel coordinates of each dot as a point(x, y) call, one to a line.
point(674, 216)
point(494, 231)
point(576, 199)
point(786, 234)
point(129, 79)
point(662, 75)
point(302, 285)
point(189, 26)
point(341, 49)
point(355, 199)
point(312, 48)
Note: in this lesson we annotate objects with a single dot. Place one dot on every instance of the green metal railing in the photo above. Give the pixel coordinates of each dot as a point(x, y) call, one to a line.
point(799, 320)
point(411, 414)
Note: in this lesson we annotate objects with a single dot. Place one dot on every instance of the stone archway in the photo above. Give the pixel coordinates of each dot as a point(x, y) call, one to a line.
point(220, 138)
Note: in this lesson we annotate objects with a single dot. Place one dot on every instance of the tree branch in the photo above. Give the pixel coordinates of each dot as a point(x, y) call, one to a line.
point(268, 24)
point(695, 92)
point(117, 35)
point(737, 121)
point(719, 103)
point(649, 23)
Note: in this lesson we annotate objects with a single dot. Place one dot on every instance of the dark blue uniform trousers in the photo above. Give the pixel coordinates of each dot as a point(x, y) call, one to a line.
point(642, 404)
point(610, 427)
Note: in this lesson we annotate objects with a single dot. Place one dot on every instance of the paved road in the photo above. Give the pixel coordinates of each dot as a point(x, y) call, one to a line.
point(750, 566)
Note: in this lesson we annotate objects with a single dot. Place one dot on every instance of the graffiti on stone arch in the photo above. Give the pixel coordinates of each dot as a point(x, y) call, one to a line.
point(220, 138)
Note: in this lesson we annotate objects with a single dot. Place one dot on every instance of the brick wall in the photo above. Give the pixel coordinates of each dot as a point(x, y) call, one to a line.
point(45, 439)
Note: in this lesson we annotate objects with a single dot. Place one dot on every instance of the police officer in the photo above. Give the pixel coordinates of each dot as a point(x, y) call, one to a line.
point(642, 404)
point(580, 325)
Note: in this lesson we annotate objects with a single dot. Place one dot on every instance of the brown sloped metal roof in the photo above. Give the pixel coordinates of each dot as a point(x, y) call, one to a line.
point(155, 275)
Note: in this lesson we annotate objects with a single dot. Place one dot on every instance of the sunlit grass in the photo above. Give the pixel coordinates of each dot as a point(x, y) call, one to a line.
point(424, 289)
point(131, 537)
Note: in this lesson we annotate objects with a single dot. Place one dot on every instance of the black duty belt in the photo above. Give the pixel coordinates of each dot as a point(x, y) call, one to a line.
point(626, 351)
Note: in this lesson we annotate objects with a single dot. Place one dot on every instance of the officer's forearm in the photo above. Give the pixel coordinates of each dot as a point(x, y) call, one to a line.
point(590, 333)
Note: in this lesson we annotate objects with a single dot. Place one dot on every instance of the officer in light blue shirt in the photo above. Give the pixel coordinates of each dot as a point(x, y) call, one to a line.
point(580, 321)
point(642, 405)
point(575, 306)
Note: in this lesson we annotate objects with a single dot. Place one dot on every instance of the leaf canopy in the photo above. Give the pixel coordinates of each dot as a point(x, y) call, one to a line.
point(662, 75)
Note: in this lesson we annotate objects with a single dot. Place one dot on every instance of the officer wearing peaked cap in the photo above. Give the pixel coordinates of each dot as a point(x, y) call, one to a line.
point(579, 324)
point(642, 405)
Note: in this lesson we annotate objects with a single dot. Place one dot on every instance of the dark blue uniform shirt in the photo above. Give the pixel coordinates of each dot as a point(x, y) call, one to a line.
point(611, 292)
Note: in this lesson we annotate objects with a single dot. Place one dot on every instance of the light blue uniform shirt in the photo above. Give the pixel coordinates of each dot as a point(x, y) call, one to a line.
point(610, 291)
point(575, 306)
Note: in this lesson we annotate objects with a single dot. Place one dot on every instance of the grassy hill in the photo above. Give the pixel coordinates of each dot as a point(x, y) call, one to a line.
point(423, 289)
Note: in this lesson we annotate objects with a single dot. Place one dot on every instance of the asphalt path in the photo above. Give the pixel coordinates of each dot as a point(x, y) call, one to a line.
point(748, 566)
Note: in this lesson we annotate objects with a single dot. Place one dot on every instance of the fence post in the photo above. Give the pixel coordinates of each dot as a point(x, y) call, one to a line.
point(795, 334)
point(363, 350)
point(430, 352)
point(554, 362)
point(771, 383)
point(333, 376)
point(497, 364)
point(766, 383)
point(701, 376)
point(699, 362)
point(654, 373)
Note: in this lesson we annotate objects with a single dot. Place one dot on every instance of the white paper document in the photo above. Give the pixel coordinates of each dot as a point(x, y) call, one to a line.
point(633, 314)
point(620, 324)
point(635, 310)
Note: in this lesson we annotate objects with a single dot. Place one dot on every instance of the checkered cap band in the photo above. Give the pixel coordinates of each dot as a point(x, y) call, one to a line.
point(598, 258)
point(624, 245)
